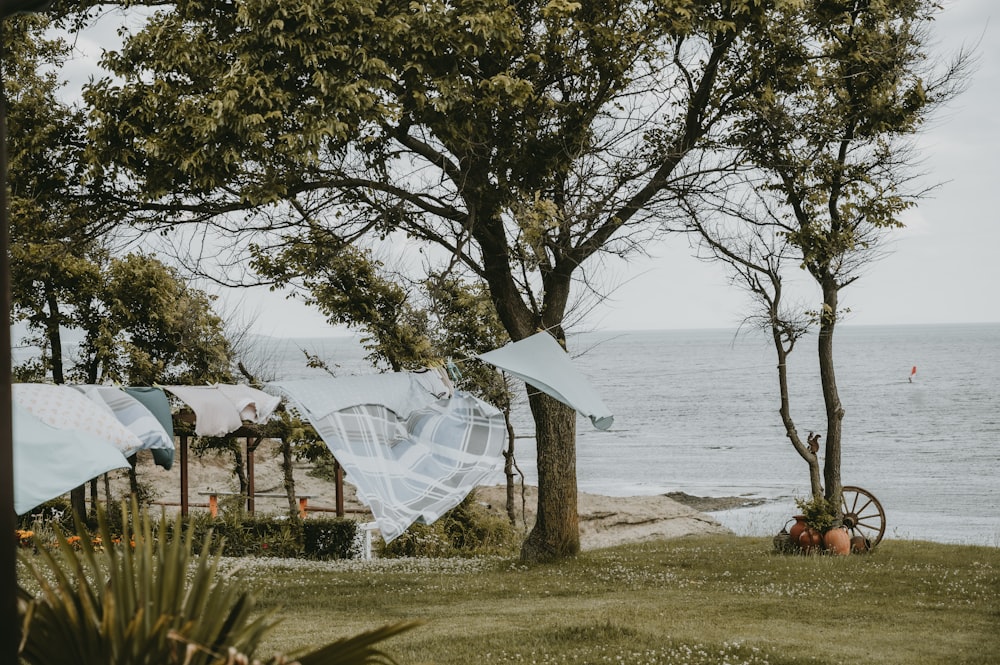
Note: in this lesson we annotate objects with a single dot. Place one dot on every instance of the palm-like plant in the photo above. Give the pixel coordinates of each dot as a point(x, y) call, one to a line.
point(148, 600)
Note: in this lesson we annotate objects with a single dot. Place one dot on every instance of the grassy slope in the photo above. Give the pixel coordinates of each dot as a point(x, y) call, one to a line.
point(710, 599)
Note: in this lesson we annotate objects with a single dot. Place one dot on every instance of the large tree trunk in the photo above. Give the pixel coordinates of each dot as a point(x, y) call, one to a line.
point(556, 532)
point(831, 397)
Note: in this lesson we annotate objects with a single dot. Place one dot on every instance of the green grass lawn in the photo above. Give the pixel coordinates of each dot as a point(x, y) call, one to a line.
point(718, 599)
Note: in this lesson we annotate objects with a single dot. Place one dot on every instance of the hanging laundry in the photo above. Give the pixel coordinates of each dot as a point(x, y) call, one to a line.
point(540, 362)
point(134, 415)
point(155, 400)
point(64, 408)
point(411, 455)
point(221, 409)
point(254, 405)
point(50, 461)
point(400, 392)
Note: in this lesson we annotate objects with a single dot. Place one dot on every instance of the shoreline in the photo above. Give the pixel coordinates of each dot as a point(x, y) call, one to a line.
point(604, 520)
point(607, 521)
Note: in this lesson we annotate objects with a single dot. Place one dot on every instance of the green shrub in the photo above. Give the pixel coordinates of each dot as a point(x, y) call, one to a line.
point(278, 536)
point(468, 529)
point(145, 599)
point(328, 538)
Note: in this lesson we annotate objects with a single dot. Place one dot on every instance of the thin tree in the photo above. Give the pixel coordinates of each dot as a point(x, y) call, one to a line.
point(828, 172)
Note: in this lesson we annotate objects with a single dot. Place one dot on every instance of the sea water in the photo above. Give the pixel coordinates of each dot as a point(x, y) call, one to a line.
point(697, 411)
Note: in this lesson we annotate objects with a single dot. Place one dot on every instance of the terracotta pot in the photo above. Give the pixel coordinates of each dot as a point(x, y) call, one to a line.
point(837, 541)
point(810, 540)
point(797, 529)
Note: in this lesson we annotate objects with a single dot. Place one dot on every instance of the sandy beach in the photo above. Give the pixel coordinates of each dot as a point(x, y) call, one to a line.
point(604, 521)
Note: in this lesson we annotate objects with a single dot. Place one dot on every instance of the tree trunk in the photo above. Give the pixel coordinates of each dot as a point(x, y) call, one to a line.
point(238, 467)
point(78, 501)
point(94, 499)
point(785, 410)
point(509, 465)
point(55, 339)
point(288, 479)
point(133, 479)
point(831, 397)
point(556, 532)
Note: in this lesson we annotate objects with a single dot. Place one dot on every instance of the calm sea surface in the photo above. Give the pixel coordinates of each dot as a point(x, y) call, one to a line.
point(697, 411)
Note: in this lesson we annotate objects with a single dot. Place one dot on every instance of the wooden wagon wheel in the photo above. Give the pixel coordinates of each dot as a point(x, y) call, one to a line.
point(863, 515)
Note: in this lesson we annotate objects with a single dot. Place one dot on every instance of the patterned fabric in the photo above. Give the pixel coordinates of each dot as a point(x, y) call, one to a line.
point(221, 409)
point(64, 408)
point(400, 392)
point(540, 362)
point(134, 415)
point(49, 462)
point(407, 466)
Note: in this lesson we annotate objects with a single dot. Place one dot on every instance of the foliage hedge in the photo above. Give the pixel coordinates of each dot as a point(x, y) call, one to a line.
point(466, 530)
point(266, 535)
point(238, 534)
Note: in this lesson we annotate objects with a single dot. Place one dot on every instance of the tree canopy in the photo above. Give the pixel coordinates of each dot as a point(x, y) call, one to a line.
point(140, 322)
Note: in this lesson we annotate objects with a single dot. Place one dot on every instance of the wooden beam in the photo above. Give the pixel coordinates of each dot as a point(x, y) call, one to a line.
point(339, 473)
point(184, 475)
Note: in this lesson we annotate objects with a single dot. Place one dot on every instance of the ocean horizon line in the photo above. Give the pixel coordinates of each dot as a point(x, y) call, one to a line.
point(353, 334)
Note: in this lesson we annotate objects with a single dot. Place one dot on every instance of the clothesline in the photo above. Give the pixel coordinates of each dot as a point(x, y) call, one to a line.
point(412, 444)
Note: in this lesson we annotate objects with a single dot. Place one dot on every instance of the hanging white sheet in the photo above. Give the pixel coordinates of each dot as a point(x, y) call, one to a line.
point(411, 455)
point(221, 409)
point(540, 362)
point(50, 461)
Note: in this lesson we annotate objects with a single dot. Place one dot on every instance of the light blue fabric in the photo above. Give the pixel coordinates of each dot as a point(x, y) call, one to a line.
point(134, 415)
point(411, 455)
point(540, 362)
point(49, 462)
point(156, 401)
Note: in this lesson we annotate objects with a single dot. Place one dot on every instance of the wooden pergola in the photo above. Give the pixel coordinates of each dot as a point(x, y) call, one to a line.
point(183, 431)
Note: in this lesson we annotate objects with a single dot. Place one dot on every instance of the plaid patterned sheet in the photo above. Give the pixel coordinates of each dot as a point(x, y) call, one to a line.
point(407, 467)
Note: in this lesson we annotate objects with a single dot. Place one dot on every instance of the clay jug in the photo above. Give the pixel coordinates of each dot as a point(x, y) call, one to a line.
point(797, 529)
point(837, 541)
point(859, 544)
point(810, 540)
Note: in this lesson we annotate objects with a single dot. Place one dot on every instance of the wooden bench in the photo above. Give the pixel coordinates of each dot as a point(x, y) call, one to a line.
point(213, 500)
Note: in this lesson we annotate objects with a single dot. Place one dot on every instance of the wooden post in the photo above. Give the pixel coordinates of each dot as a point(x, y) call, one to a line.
point(184, 475)
point(250, 488)
point(339, 473)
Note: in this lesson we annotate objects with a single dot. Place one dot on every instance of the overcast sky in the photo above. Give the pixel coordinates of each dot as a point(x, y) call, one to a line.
point(942, 268)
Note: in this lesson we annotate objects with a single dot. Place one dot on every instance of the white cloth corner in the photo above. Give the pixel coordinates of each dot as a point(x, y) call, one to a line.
point(254, 405)
point(540, 362)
